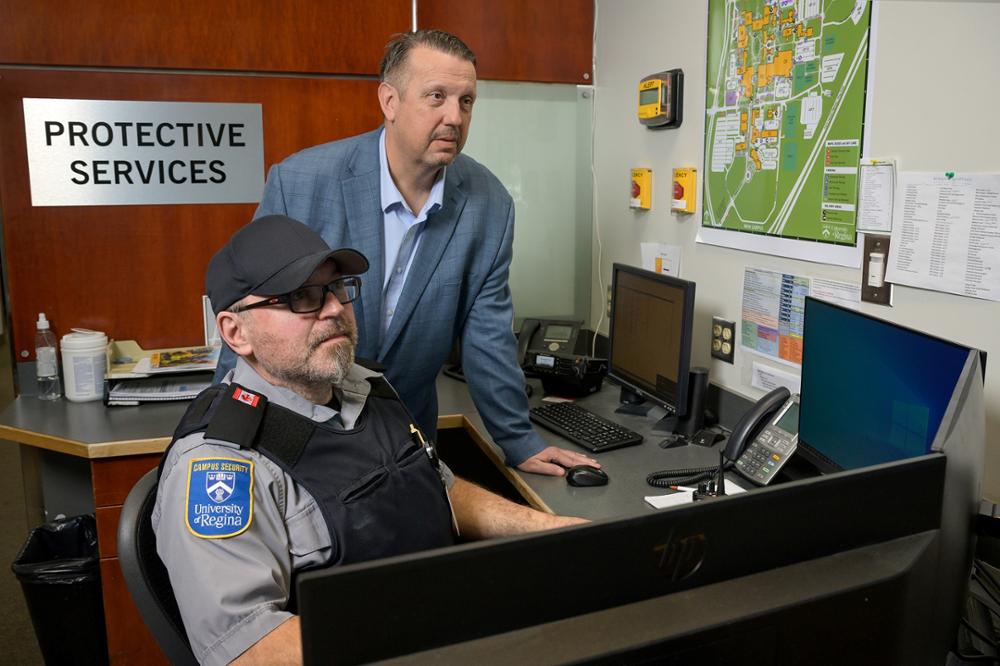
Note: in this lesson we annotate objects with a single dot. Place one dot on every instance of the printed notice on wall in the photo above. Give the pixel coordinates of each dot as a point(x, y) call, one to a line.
point(661, 258)
point(773, 312)
point(878, 178)
point(947, 234)
point(100, 153)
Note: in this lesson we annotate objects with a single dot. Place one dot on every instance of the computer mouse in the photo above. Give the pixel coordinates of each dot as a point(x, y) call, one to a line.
point(585, 475)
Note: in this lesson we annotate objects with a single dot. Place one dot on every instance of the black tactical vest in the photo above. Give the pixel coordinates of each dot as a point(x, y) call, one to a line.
point(378, 487)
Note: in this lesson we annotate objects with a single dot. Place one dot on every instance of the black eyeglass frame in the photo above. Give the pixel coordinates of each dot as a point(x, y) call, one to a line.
point(286, 299)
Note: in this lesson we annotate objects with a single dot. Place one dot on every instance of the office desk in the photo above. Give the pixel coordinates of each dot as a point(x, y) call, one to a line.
point(627, 468)
point(118, 445)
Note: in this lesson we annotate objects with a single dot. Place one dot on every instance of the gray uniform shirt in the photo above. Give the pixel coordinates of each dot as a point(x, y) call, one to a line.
point(232, 591)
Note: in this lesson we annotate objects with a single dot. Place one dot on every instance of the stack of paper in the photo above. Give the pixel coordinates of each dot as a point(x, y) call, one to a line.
point(126, 359)
point(178, 360)
point(158, 389)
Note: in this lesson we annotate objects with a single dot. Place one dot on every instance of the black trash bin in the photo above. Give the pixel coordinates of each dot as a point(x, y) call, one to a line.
point(60, 574)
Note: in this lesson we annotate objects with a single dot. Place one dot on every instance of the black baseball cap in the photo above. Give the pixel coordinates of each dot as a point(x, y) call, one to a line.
point(272, 255)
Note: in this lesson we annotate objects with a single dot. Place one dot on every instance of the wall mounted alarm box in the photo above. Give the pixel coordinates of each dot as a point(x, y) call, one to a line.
point(685, 190)
point(661, 99)
point(641, 194)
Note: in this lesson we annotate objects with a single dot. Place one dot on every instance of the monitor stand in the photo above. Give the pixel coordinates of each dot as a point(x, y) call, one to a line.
point(632, 403)
point(685, 426)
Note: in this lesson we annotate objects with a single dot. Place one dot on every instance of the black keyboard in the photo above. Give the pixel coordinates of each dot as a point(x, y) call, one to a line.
point(583, 427)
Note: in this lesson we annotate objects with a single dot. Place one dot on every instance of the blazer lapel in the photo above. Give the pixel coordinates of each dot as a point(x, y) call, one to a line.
point(433, 241)
point(363, 206)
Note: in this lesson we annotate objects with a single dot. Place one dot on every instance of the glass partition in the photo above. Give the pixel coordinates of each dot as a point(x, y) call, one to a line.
point(536, 138)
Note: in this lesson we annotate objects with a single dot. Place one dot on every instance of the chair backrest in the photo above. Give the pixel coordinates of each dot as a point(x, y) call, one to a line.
point(145, 575)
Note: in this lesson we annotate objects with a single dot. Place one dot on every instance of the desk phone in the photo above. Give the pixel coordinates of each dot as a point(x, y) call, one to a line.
point(773, 445)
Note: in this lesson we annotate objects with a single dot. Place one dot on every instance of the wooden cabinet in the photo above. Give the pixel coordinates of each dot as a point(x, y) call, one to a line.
point(288, 36)
point(520, 40)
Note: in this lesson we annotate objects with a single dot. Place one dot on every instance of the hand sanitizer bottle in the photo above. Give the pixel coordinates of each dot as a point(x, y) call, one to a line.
point(46, 365)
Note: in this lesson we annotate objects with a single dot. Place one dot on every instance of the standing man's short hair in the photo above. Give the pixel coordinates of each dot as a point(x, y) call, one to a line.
point(399, 47)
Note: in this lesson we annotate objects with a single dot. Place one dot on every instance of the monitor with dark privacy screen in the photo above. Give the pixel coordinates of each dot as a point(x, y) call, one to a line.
point(650, 336)
point(872, 391)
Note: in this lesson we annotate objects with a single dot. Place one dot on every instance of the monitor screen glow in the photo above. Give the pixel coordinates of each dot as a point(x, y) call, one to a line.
point(871, 391)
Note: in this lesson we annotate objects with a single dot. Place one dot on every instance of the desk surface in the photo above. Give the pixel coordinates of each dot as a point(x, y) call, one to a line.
point(627, 468)
point(91, 430)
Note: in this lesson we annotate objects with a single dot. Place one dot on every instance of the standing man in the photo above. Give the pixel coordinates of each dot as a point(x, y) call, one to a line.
point(438, 229)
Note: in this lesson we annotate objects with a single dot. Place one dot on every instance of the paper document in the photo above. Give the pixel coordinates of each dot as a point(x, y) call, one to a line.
point(773, 310)
point(661, 258)
point(947, 234)
point(767, 378)
point(838, 293)
point(875, 193)
point(686, 496)
point(158, 389)
point(673, 499)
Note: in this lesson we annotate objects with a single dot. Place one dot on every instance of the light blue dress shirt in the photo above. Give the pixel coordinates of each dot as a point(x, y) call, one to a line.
point(402, 233)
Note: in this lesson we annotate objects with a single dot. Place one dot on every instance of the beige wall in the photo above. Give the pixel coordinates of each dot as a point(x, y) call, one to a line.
point(936, 95)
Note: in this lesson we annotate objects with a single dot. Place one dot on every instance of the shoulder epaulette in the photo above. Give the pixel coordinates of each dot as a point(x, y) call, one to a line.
point(197, 415)
point(238, 417)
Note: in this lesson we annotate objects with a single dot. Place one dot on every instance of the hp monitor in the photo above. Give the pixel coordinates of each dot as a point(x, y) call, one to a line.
point(811, 556)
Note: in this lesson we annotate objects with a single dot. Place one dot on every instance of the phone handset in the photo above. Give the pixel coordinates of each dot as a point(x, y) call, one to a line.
point(753, 421)
point(767, 437)
point(524, 336)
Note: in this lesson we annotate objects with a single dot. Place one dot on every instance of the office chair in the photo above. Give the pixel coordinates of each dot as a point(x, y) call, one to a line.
point(145, 575)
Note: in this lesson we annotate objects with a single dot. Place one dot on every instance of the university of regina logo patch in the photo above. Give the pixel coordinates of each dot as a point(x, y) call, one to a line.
point(220, 485)
point(219, 497)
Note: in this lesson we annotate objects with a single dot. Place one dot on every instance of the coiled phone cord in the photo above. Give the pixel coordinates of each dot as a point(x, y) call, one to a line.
point(685, 476)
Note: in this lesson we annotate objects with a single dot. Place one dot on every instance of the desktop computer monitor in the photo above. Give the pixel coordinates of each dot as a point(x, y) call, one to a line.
point(650, 337)
point(742, 570)
point(872, 391)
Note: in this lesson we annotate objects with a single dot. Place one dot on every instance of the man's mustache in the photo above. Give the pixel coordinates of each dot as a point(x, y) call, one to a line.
point(344, 328)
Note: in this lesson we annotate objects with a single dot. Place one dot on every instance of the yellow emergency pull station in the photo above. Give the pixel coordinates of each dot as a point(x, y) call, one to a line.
point(683, 198)
point(641, 196)
point(661, 99)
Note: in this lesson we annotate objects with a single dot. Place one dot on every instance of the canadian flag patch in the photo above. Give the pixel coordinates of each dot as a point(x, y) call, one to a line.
point(246, 396)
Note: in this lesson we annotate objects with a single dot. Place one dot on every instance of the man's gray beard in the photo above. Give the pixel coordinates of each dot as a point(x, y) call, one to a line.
point(343, 357)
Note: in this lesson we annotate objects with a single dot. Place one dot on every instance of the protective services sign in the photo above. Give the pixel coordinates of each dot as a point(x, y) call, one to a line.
point(106, 153)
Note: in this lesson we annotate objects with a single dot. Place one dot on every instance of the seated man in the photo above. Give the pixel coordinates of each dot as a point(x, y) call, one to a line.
point(300, 459)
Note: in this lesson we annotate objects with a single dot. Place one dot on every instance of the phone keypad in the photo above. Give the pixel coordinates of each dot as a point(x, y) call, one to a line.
point(766, 454)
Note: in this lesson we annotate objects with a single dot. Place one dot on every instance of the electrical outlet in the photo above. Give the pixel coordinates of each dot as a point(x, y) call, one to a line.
point(723, 339)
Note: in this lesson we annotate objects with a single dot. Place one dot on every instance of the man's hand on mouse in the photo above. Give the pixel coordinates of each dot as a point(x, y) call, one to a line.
point(553, 461)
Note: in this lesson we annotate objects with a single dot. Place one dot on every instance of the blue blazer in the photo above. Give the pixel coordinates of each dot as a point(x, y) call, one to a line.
point(456, 288)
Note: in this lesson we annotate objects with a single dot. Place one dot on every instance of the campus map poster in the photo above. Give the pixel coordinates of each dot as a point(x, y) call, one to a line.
point(784, 117)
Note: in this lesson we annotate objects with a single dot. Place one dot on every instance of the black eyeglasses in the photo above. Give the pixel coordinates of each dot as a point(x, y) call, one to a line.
point(312, 297)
